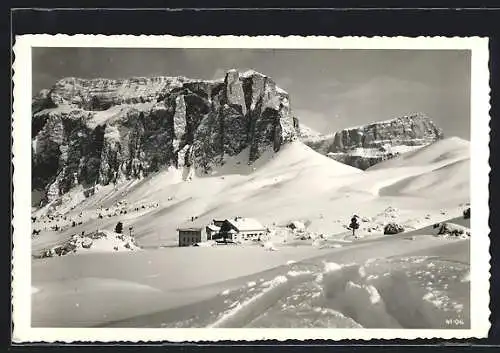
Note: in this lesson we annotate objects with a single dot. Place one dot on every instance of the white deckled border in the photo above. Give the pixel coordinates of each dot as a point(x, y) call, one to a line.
point(480, 256)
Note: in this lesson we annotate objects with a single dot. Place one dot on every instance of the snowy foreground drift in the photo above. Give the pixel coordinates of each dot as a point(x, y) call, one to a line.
point(420, 283)
point(419, 279)
point(408, 292)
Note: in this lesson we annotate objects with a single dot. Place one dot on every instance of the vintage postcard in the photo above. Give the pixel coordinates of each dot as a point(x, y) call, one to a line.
point(250, 188)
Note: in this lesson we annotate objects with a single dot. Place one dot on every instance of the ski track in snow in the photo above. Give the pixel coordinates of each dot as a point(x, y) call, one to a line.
point(352, 295)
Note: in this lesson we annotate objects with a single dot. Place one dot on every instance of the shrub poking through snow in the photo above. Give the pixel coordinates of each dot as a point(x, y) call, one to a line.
point(119, 227)
point(393, 228)
point(467, 213)
point(451, 229)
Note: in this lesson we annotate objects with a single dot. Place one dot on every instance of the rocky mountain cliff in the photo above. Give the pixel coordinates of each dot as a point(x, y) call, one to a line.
point(101, 130)
point(364, 146)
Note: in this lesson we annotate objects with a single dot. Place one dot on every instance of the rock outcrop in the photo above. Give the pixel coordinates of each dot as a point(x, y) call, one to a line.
point(447, 229)
point(364, 146)
point(98, 241)
point(100, 131)
point(393, 228)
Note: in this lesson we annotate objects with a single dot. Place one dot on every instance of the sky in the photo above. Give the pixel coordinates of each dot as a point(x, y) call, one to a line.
point(330, 89)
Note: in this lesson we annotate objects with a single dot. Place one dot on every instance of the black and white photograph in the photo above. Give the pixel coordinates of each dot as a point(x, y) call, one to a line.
point(224, 186)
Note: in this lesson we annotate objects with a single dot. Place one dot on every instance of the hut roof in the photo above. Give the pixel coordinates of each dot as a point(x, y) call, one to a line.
point(189, 229)
point(245, 224)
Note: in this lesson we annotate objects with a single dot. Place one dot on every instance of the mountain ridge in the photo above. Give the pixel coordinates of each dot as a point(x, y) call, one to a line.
point(103, 130)
point(366, 145)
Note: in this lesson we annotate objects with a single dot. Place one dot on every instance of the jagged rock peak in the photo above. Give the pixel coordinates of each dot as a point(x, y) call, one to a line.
point(102, 93)
point(409, 130)
point(103, 130)
point(413, 129)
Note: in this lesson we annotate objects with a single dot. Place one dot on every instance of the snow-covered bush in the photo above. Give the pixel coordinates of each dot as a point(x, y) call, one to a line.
point(96, 241)
point(297, 226)
point(393, 228)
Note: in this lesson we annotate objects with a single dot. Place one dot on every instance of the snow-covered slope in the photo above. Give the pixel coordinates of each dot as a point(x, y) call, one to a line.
point(451, 179)
point(276, 188)
point(104, 286)
point(446, 150)
point(295, 183)
point(441, 167)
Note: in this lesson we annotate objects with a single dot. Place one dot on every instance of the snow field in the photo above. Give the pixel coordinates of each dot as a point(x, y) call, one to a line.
point(317, 293)
point(295, 184)
point(280, 188)
point(380, 293)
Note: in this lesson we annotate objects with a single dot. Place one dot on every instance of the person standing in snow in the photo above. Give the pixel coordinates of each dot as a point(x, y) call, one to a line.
point(354, 225)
